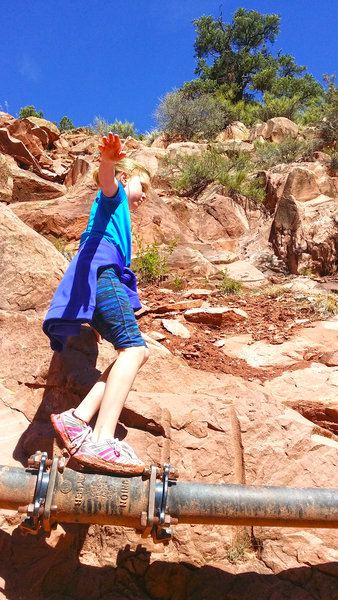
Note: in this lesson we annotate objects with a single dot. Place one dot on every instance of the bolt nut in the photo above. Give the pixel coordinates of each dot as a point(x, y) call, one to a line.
point(144, 519)
point(30, 509)
point(61, 464)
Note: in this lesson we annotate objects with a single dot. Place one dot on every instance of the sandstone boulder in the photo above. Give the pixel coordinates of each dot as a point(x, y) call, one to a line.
point(279, 129)
point(16, 148)
point(176, 328)
point(149, 158)
point(229, 214)
point(304, 235)
point(131, 143)
point(50, 128)
point(5, 119)
point(161, 141)
point(237, 146)
point(65, 216)
point(246, 273)
point(87, 146)
point(191, 262)
point(29, 187)
point(304, 181)
point(234, 131)
point(6, 180)
point(185, 148)
point(79, 168)
point(35, 139)
point(31, 267)
point(214, 316)
point(275, 130)
point(203, 225)
point(155, 222)
point(302, 184)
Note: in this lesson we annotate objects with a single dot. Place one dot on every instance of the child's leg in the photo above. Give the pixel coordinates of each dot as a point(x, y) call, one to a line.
point(109, 393)
point(114, 319)
point(92, 401)
point(119, 382)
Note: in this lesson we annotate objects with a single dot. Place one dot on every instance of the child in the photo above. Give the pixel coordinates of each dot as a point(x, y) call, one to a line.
point(99, 288)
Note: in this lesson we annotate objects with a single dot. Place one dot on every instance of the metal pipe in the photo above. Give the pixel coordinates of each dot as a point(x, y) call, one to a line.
point(252, 505)
point(101, 499)
point(137, 501)
point(16, 487)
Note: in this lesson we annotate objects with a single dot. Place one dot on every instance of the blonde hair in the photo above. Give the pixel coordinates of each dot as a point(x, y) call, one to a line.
point(126, 165)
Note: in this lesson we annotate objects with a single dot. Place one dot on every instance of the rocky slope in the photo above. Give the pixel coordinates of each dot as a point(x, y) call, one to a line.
point(238, 389)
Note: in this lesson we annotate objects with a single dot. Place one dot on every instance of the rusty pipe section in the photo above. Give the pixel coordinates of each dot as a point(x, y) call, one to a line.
point(16, 487)
point(253, 505)
point(145, 502)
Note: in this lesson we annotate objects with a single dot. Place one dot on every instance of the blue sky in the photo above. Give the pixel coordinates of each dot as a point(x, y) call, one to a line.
point(117, 58)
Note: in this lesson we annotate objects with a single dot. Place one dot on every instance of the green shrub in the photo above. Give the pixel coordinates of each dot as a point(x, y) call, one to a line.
point(124, 130)
point(30, 111)
point(60, 244)
point(102, 127)
point(190, 118)
point(327, 305)
point(228, 286)
point(252, 188)
point(277, 107)
point(334, 162)
point(244, 111)
point(150, 262)
point(242, 548)
point(192, 173)
point(150, 136)
point(178, 283)
point(196, 171)
point(291, 150)
point(323, 113)
point(65, 124)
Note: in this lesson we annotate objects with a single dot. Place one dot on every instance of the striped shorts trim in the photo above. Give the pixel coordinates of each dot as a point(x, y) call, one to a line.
point(114, 316)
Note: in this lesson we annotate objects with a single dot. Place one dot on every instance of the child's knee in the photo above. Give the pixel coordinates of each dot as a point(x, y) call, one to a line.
point(146, 354)
point(140, 353)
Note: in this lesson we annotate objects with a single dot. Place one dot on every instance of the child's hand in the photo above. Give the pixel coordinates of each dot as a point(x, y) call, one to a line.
point(111, 148)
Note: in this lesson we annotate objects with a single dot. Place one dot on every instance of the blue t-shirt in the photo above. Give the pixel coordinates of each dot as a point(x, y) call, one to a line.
point(110, 219)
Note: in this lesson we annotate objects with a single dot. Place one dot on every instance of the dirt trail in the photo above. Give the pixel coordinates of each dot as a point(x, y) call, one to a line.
point(273, 319)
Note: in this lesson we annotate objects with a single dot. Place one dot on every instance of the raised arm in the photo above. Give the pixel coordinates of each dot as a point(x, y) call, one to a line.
point(110, 154)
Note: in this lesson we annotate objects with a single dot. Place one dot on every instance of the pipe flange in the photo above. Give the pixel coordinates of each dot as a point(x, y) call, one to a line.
point(30, 523)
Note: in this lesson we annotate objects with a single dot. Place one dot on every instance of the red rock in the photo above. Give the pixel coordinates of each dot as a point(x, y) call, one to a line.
point(214, 316)
point(245, 273)
point(29, 187)
point(31, 266)
point(17, 149)
point(22, 129)
point(65, 216)
point(79, 168)
point(214, 427)
point(48, 127)
point(229, 214)
point(183, 305)
point(198, 293)
point(303, 234)
point(176, 328)
point(6, 180)
point(5, 119)
point(301, 183)
point(277, 130)
point(235, 131)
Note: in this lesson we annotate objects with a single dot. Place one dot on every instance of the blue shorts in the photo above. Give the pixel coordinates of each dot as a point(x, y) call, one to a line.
point(113, 316)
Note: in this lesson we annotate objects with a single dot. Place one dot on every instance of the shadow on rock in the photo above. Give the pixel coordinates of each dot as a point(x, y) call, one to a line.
point(31, 568)
point(70, 376)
